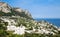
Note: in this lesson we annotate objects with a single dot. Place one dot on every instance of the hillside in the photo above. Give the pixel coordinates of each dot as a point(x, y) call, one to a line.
point(16, 22)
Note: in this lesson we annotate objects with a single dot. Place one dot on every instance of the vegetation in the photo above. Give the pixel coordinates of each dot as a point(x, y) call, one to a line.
point(4, 33)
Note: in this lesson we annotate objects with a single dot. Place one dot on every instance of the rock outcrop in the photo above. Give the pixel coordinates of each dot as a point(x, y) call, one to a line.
point(5, 9)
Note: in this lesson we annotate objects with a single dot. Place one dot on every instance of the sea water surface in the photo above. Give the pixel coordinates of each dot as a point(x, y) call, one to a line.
point(54, 21)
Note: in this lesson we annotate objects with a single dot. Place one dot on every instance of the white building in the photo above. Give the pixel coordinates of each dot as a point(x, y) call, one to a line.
point(11, 28)
point(20, 30)
point(17, 30)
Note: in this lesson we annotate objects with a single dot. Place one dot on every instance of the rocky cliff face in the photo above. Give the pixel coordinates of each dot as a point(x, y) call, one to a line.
point(5, 9)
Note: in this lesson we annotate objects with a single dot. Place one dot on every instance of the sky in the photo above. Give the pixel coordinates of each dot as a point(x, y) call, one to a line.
point(38, 8)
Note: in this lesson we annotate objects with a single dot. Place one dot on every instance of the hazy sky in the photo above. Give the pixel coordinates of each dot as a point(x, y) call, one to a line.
point(38, 8)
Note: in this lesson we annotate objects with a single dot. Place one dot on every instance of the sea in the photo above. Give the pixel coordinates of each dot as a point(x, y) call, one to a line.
point(54, 21)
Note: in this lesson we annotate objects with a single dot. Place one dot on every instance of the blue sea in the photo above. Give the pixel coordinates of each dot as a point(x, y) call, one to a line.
point(54, 21)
